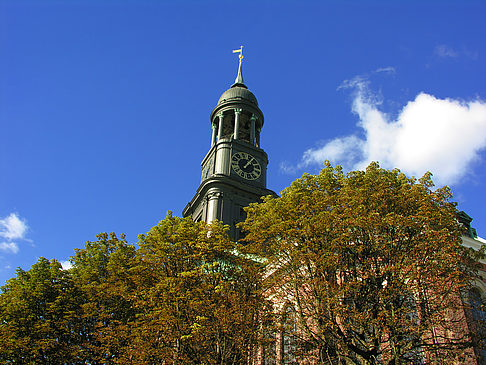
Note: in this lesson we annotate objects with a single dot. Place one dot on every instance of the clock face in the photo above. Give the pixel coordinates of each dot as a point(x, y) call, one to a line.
point(246, 166)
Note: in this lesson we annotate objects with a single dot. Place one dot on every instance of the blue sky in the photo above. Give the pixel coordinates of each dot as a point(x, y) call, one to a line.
point(104, 105)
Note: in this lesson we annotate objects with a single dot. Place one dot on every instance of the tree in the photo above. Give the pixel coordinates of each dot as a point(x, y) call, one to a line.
point(372, 263)
point(102, 272)
point(186, 296)
point(55, 316)
point(197, 298)
point(40, 317)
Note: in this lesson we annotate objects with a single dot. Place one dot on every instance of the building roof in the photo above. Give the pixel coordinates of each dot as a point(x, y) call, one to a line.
point(238, 91)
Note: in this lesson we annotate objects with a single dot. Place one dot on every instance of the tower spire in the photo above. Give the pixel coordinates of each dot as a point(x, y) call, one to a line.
point(234, 171)
point(239, 77)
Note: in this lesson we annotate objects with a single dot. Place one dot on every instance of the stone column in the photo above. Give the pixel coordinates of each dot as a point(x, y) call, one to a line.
point(220, 126)
point(214, 125)
point(252, 129)
point(237, 122)
point(258, 137)
point(213, 210)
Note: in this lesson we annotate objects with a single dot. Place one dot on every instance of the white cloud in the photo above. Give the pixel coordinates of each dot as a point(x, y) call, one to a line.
point(12, 228)
point(346, 150)
point(66, 265)
point(445, 51)
point(287, 168)
point(388, 70)
point(443, 136)
point(9, 246)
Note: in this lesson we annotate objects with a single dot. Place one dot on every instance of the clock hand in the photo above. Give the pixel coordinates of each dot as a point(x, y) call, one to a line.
point(247, 163)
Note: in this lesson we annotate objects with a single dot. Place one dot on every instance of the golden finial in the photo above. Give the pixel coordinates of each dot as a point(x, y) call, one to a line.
point(240, 51)
point(239, 77)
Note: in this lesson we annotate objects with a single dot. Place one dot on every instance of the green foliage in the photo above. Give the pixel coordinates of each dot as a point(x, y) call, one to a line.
point(198, 301)
point(102, 271)
point(373, 263)
point(185, 296)
point(362, 268)
point(41, 316)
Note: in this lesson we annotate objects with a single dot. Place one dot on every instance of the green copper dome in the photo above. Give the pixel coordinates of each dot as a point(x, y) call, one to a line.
point(238, 92)
point(238, 97)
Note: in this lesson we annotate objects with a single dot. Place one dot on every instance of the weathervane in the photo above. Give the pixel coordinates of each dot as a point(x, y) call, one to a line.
point(240, 51)
point(239, 78)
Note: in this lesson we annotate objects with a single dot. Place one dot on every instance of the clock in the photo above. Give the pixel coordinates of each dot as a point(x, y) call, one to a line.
point(246, 166)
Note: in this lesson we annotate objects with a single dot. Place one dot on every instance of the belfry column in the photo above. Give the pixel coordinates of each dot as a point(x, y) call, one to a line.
point(258, 137)
point(213, 135)
point(220, 126)
point(237, 122)
point(252, 129)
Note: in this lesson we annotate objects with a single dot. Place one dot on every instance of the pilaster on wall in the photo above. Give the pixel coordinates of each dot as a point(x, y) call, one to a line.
point(214, 201)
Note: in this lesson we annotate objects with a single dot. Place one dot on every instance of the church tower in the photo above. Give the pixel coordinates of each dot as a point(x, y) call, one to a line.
point(234, 171)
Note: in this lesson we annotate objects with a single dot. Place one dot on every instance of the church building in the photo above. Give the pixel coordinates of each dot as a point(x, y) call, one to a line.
point(234, 176)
